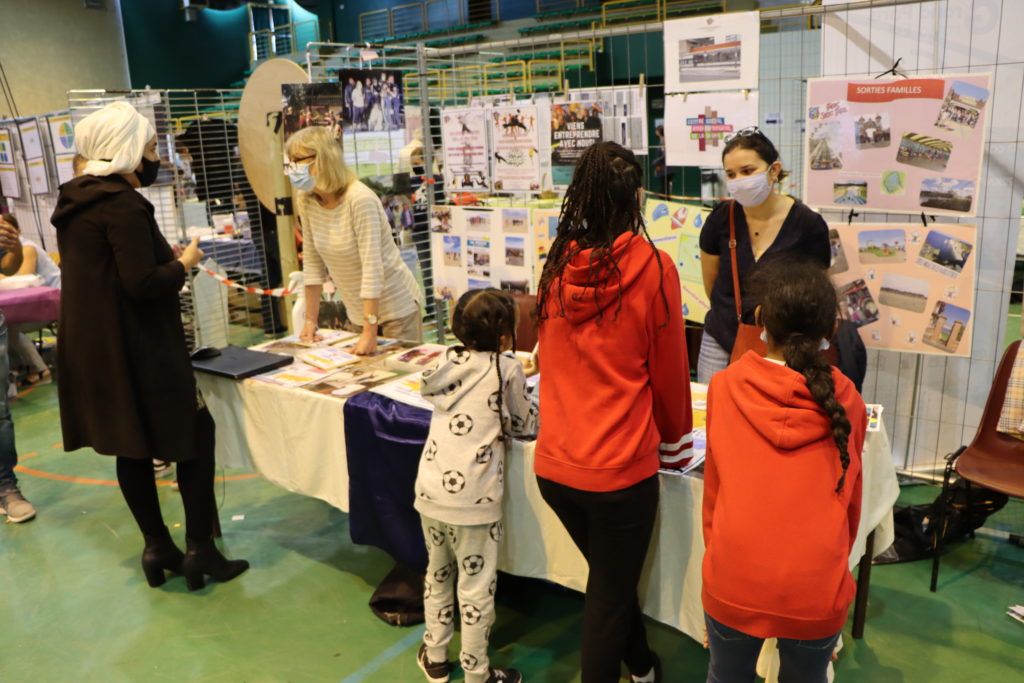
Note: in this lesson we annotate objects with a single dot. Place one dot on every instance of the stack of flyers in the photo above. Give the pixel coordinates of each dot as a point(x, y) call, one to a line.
point(1017, 612)
point(288, 348)
point(385, 347)
point(294, 375)
point(293, 346)
point(405, 390)
point(419, 357)
point(699, 453)
point(351, 380)
point(327, 358)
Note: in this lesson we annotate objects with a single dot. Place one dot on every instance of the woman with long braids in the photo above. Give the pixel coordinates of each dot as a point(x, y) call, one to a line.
point(782, 486)
point(615, 395)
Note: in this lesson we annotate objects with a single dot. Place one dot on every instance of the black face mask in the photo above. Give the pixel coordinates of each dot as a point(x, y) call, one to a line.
point(150, 169)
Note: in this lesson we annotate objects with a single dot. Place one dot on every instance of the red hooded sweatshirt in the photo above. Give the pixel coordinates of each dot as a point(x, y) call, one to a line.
point(614, 389)
point(777, 535)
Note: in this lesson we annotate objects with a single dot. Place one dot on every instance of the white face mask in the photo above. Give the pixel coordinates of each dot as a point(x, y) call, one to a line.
point(299, 177)
point(750, 191)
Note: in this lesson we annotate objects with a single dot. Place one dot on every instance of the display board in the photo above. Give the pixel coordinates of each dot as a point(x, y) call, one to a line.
point(624, 113)
point(718, 52)
point(701, 122)
point(464, 134)
point(62, 138)
point(515, 145)
point(675, 229)
point(574, 127)
point(479, 247)
point(907, 287)
point(906, 146)
point(9, 185)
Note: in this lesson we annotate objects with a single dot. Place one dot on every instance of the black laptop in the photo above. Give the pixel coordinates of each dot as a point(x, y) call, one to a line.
point(239, 363)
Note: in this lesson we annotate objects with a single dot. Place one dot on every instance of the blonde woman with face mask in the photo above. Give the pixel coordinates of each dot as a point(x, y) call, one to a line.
point(346, 234)
point(767, 225)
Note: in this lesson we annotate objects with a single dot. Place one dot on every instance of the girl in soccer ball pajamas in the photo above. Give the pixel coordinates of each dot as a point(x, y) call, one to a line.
point(480, 399)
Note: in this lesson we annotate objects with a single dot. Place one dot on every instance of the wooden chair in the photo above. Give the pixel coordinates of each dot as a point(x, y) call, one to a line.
point(993, 459)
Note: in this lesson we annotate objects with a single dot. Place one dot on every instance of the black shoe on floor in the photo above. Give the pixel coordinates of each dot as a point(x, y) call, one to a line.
point(437, 672)
point(504, 676)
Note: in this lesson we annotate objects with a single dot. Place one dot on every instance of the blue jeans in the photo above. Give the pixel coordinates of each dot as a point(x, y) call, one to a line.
point(734, 656)
point(712, 358)
point(8, 453)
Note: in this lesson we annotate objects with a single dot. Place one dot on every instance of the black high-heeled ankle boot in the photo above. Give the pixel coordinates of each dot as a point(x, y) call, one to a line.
point(203, 557)
point(159, 555)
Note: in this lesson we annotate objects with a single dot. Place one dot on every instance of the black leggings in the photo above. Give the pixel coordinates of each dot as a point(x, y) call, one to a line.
point(613, 531)
point(195, 482)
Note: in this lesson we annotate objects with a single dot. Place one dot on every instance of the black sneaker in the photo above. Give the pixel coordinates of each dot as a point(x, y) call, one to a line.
point(504, 676)
point(438, 672)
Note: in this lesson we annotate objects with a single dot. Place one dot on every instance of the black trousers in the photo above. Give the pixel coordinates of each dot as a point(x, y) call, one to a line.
point(613, 531)
point(195, 483)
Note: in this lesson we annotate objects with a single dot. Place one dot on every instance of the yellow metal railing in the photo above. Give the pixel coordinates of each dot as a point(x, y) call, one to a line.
point(375, 25)
point(544, 73)
point(587, 44)
point(628, 11)
point(509, 76)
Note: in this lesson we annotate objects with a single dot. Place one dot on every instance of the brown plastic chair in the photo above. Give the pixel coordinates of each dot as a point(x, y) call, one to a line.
point(993, 460)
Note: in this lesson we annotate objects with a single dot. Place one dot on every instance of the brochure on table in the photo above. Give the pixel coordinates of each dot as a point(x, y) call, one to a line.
point(701, 122)
point(907, 287)
point(718, 52)
point(675, 229)
point(906, 146)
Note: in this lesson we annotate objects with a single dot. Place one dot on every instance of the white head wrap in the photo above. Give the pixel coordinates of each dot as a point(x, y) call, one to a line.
point(116, 133)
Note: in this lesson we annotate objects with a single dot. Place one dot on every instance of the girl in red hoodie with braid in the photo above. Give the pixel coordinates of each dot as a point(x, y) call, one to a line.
point(782, 486)
point(614, 397)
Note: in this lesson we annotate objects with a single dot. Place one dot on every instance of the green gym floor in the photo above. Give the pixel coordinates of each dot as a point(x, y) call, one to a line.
point(75, 605)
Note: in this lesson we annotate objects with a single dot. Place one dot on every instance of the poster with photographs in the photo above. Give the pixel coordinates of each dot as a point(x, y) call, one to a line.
point(718, 52)
point(623, 113)
point(545, 229)
point(904, 146)
point(702, 122)
point(574, 127)
point(515, 161)
point(464, 133)
point(9, 185)
point(907, 287)
point(675, 229)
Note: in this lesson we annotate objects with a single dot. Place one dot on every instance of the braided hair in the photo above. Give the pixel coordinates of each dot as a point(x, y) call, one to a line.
point(481, 318)
point(602, 202)
point(798, 310)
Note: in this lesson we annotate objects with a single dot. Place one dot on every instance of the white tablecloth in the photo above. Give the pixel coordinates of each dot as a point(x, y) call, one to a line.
point(296, 439)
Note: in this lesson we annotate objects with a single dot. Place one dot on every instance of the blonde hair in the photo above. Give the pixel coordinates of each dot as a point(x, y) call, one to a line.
point(329, 169)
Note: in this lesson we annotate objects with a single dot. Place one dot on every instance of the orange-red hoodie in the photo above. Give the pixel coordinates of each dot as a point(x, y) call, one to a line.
point(614, 389)
point(777, 535)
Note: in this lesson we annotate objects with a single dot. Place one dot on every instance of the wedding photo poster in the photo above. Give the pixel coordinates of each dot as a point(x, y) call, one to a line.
point(719, 52)
point(515, 161)
point(907, 287)
point(905, 146)
point(574, 127)
point(623, 113)
point(701, 122)
point(464, 134)
point(675, 229)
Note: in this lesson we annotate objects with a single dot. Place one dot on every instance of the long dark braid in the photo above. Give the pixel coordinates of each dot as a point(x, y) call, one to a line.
point(481, 318)
point(600, 204)
point(798, 309)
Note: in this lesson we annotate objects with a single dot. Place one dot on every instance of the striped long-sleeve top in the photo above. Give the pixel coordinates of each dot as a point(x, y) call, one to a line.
point(353, 244)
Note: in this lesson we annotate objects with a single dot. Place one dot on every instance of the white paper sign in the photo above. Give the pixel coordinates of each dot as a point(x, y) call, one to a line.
point(719, 52)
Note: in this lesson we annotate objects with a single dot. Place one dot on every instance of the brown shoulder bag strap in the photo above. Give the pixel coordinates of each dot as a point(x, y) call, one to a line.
point(732, 255)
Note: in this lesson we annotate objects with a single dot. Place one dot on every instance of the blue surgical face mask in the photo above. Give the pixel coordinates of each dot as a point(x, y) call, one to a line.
point(299, 177)
point(751, 190)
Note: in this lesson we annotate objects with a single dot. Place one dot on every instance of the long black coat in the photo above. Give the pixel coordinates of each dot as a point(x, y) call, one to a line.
point(125, 378)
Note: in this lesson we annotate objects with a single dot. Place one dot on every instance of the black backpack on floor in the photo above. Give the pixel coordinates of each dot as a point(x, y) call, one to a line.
point(966, 509)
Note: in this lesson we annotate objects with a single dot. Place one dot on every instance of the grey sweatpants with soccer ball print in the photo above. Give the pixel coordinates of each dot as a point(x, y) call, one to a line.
point(462, 559)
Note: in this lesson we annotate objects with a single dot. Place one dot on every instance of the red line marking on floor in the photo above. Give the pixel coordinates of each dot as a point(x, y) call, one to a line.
point(105, 482)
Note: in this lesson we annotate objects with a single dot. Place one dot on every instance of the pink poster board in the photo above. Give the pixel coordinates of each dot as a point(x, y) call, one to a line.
point(903, 146)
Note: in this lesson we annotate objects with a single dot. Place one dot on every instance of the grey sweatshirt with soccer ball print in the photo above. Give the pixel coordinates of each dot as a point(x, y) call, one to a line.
point(462, 469)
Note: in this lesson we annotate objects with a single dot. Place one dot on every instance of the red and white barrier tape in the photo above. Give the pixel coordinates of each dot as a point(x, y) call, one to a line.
point(279, 291)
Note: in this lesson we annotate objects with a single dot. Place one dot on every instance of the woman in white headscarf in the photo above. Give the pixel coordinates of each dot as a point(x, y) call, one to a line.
point(125, 378)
